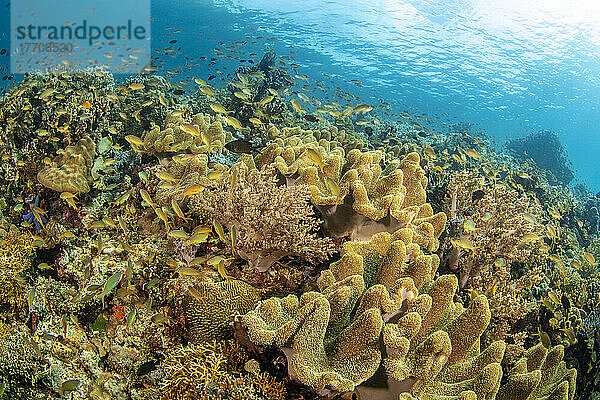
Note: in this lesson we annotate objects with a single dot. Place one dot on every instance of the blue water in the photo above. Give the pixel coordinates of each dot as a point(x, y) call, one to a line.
point(509, 67)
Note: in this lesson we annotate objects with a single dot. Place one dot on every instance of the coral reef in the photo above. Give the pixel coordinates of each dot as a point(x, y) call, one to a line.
point(348, 254)
point(545, 149)
point(70, 171)
point(208, 135)
point(271, 221)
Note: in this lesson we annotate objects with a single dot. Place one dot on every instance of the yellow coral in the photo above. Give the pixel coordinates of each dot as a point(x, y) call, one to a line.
point(370, 199)
point(174, 139)
point(70, 171)
point(540, 374)
point(332, 337)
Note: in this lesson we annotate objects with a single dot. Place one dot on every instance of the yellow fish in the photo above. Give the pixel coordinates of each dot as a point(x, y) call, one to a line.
point(214, 174)
point(589, 258)
point(333, 186)
point(234, 122)
point(178, 211)
point(191, 129)
point(530, 237)
point(188, 271)
point(219, 230)
point(297, 107)
point(178, 234)
point(191, 190)
point(198, 238)
point(146, 196)
point(473, 154)
point(265, 100)
point(165, 176)
point(136, 86)
point(134, 140)
point(208, 91)
point(218, 108)
point(316, 157)
point(202, 229)
point(469, 226)
point(463, 243)
point(428, 150)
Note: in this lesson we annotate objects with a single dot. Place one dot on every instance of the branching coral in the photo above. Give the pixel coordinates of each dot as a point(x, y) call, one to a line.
point(208, 372)
point(271, 221)
point(210, 317)
point(500, 225)
point(16, 254)
point(70, 171)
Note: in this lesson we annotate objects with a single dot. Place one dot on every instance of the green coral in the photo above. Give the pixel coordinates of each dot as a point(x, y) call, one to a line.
point(540, 374)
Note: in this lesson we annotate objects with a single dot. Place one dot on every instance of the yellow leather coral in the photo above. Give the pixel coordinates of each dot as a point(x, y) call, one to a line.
point(355, 195)
point(331, 337)
point(70, 171)
point(173, 138)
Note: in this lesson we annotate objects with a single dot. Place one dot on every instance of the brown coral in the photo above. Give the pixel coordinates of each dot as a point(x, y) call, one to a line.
point(271, 221)
point(70, 171)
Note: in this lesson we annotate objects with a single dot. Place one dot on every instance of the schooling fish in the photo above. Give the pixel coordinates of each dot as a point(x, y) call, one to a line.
point(240, 146)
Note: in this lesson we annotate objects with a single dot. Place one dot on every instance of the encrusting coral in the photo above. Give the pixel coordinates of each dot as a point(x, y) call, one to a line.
point(271, 221)
point(70, 171)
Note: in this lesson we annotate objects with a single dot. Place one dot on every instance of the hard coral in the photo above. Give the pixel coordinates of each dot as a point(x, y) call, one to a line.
point(70, 171)
point(271, 221)
point(210, 317)
point(16, 254)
